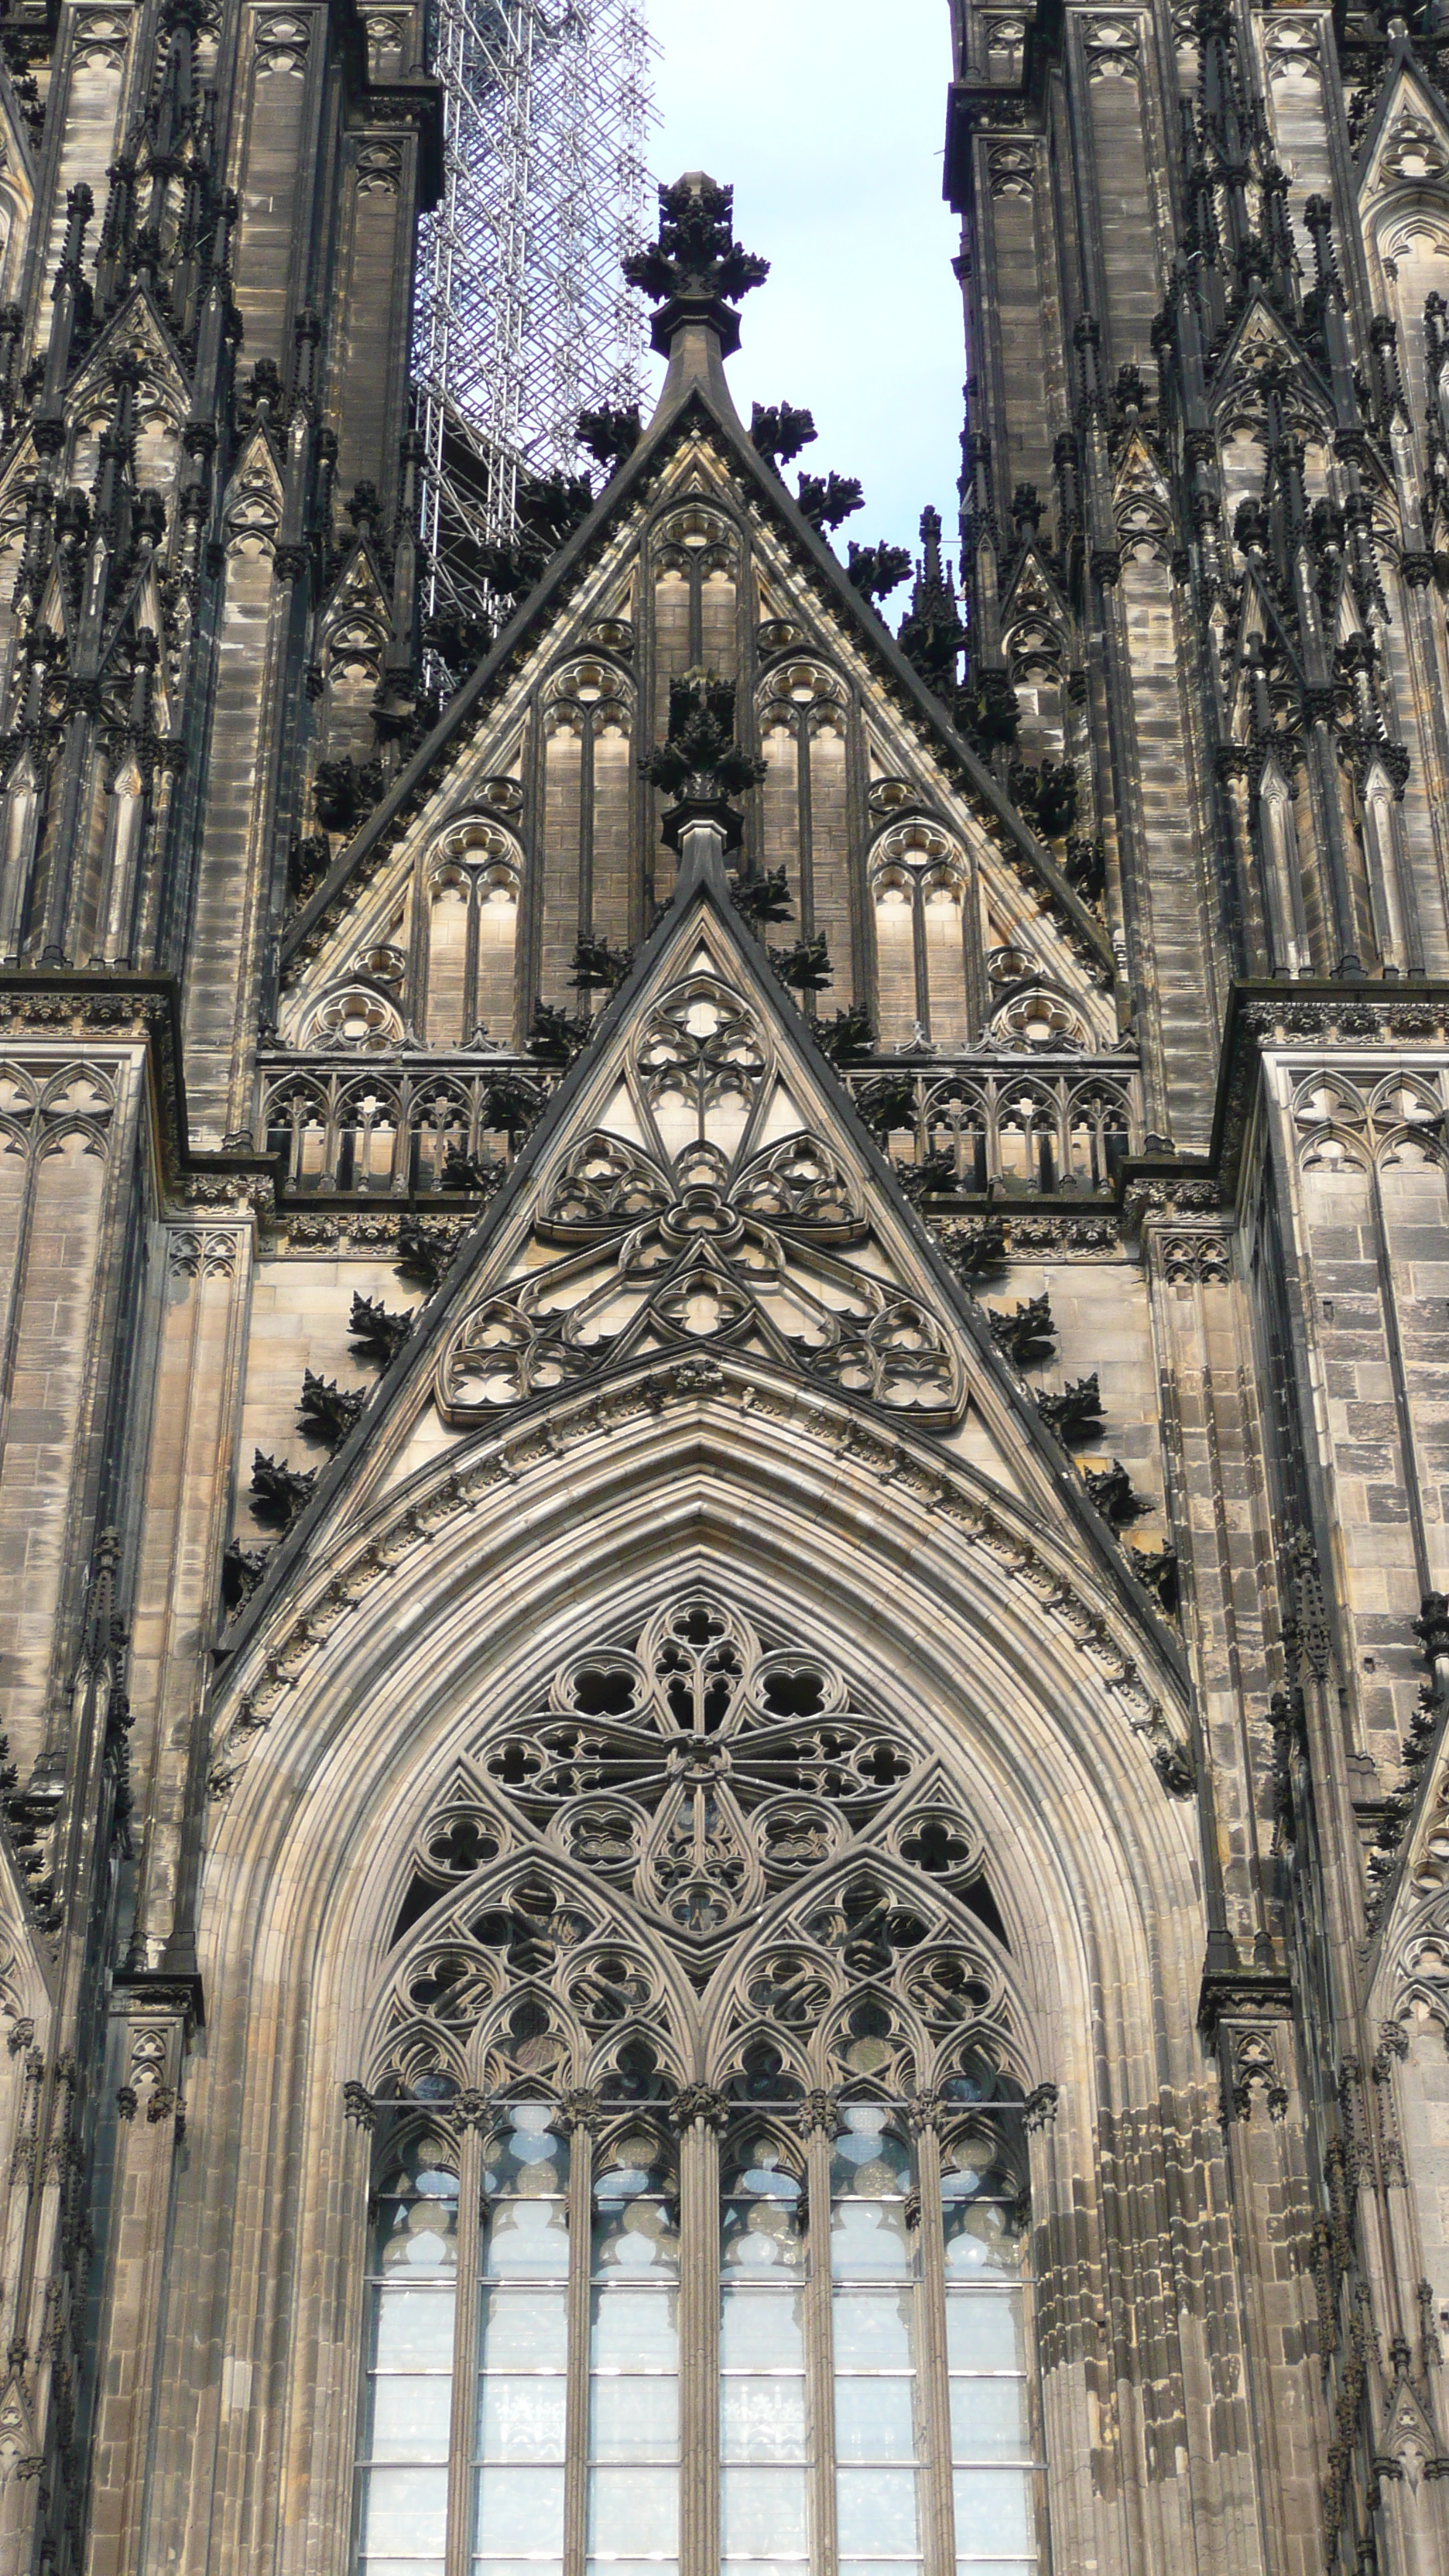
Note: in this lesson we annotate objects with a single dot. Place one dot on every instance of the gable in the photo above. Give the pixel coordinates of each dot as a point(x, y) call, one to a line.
point(699, 1199)
point(1406, 147)
point(693, 1199)
point(690, 564)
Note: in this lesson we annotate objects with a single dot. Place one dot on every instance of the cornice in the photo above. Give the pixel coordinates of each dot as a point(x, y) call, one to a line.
point(115, 1009)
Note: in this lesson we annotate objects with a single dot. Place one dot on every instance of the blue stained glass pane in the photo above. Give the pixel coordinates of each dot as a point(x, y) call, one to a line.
point(982, 2238)
point(984, 2330)
point(993, 2510)
point(876, 2510)
point(762, 2419)
point(988, 2419)
point(521, 2419)
point(634, 2508)
point(525, 2329)
point(605, 2564)
point(869, 2237)
point(874, 2419)
point(761, 2329)
point(529, 2236)
point(411, 2418)
point(405, 2510)
point(519, 2510)
point(635, 2329)
point(762, 2510)
point(872, 2329)
point(776, 2565)
point(413, 2329)
point(634, 2418)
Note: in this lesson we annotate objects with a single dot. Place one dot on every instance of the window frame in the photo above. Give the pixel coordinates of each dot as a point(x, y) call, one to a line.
point(699, 2137)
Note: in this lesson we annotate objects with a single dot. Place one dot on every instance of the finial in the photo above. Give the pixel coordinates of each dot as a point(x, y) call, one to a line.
point(699, 765)
point(696, 269)
point(696, 273)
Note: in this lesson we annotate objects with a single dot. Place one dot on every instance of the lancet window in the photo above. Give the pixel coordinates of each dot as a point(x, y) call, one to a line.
point(698, 2228)
point(918, 883)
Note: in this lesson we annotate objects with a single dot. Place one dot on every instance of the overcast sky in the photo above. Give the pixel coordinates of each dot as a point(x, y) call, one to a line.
point(828, 117)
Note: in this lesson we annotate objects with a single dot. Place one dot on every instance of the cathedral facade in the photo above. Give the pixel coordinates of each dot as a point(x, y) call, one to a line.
point(724, 1828)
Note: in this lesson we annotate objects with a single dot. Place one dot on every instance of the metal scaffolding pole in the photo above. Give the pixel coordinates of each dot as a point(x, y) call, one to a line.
point(523, 318)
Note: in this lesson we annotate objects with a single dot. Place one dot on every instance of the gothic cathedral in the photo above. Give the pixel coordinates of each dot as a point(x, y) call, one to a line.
point(724, 1339)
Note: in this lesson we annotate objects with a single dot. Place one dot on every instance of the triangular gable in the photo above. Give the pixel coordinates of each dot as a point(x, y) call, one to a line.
point(701, 1191)
point(1032, 586)
point(805, 564)
point(1409, 112)
point(1261, 336)
point(136, 329)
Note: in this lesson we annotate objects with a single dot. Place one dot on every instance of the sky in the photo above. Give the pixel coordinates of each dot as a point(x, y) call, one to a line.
point(828, 118)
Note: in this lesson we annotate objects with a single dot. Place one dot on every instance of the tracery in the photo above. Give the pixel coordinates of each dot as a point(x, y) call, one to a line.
point(699, 2108)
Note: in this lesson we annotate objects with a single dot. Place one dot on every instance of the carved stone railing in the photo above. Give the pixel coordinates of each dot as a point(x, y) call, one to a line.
point(1045, 1125)
point(419, 1124)
point(398, 1127)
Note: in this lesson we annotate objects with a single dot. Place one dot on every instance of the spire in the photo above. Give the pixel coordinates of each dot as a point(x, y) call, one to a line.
point(697, 273)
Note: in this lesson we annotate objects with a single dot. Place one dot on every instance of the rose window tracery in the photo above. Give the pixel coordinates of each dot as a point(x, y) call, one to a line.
point(695, 1845)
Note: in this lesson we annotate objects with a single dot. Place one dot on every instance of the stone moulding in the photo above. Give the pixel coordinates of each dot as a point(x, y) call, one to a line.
point(115, 1009)
point(268, 1664)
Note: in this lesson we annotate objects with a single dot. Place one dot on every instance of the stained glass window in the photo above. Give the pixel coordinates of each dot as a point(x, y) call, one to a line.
point(698, 2237)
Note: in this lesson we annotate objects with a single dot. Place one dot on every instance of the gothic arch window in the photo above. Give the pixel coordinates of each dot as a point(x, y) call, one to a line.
point(918, 884)
point(697, 2090)
point(472, 892)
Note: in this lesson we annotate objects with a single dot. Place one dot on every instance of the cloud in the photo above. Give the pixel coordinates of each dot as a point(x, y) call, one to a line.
point(828, 117)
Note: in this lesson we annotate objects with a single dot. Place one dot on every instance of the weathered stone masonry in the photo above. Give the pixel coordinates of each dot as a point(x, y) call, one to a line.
point(945, 1167)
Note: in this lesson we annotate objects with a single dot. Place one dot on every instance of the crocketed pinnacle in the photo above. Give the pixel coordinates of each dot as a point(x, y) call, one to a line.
point(699, 763)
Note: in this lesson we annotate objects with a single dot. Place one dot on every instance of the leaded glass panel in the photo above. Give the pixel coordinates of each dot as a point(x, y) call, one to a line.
point(633, 2434)
point(521, 2421)
point(409, 2395)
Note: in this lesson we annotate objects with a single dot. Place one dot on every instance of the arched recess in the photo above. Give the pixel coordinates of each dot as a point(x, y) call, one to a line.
point(1409, 248)
point(919, 885)
point(990, 1648)
point(472, 886)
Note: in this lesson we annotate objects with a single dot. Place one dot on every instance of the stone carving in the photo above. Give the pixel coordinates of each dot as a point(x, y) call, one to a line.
point(1414, 154)
point(1397, 1119)
point(209, 1252)
point(694, 1791)
point(705, 1234)
point(283, 39)
point(379, 169)
point(1113, 48)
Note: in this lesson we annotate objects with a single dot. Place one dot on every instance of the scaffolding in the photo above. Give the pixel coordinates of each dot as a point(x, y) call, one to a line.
point(523, 317)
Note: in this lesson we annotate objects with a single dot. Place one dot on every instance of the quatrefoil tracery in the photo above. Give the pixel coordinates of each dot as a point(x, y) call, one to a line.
point(707, 1225)
point(694, 1848)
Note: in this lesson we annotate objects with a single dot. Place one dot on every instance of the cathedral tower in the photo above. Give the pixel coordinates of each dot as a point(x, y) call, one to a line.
point(724, 1832)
